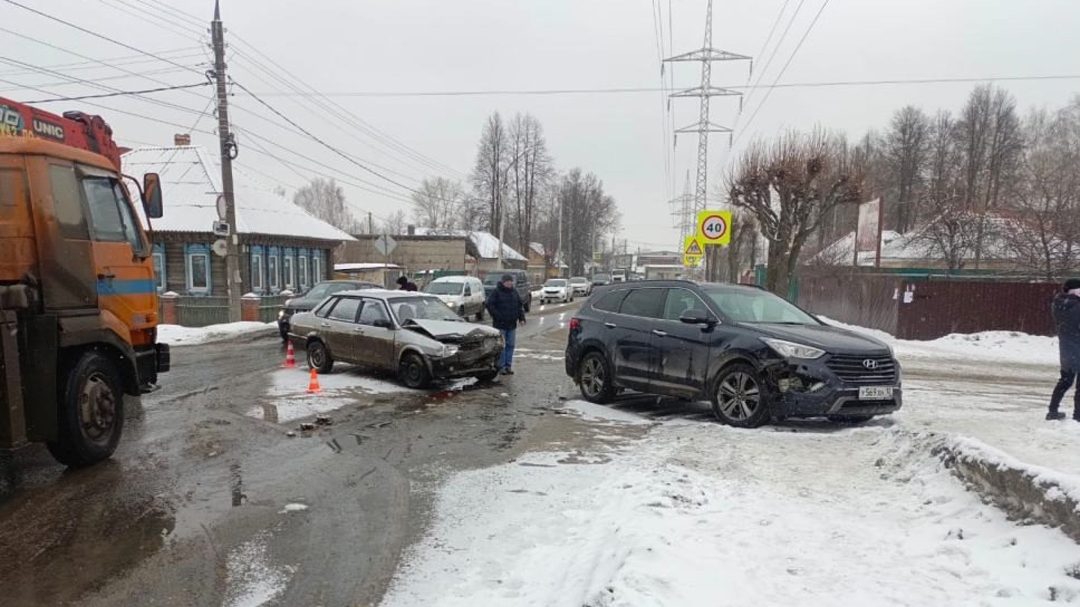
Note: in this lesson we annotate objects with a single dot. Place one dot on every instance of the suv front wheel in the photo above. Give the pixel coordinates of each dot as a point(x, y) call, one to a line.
point(740, 398)
point(595, 378)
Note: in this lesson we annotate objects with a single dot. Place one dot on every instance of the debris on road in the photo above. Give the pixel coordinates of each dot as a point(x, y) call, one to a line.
point(324, 420)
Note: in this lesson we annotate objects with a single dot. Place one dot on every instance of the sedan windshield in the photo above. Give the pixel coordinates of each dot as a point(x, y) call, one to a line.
point(745, 305)
point(421, 308)
point(555, 283)
point(602, 277)
point(578, 281)
point(445, 288)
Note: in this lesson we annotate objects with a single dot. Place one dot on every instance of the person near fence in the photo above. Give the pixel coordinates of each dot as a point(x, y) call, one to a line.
point(1066, 311)
point(507, 312)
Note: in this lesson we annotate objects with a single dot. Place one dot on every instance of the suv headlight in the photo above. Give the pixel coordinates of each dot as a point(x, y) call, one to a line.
point(281, 314)
point(790, 349)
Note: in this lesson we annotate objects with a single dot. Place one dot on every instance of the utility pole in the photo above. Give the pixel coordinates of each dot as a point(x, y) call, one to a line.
point(706, 55)
point(229, 150)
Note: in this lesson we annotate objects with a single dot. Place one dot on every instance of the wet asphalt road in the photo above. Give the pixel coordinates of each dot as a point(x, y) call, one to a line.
point(191, 509)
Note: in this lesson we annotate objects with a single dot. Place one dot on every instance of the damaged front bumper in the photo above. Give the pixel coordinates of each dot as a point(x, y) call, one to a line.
point(811, 389)
point(467, 362)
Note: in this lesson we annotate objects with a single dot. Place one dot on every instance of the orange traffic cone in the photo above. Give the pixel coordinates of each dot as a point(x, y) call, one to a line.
point(313, 384)
point(290, 358)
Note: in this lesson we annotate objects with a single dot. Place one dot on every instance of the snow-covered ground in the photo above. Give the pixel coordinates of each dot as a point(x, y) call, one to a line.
point(187, 336)
point(699, 514)
point(287, 398)
point(802, 513)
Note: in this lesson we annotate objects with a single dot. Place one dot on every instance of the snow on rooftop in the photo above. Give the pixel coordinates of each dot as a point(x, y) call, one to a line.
point(190, 180)
point(487, 244)
point(345, 267)
point(842, 252)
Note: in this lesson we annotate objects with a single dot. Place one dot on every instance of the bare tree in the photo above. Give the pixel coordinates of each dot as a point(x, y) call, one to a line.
point(325, 199)
point(588, 216)
point(906, 149)
point(530, 168)
point(488, 175)
point(438, 204)
point(788, 189)
point(395, 223)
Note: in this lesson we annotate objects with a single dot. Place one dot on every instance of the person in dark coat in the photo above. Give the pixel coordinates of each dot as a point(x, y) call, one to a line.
point(1066, 309)
point(405, 284)
point(507, 312)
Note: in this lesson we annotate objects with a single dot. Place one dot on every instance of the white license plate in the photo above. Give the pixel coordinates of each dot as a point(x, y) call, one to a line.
point(875, 392)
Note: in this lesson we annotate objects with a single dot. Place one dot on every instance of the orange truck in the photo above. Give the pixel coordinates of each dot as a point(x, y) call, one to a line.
point(78, 297)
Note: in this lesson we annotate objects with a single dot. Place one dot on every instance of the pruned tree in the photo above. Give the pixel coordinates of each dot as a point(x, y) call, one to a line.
point(788, 188)
point(438, 203)
point(325, 199)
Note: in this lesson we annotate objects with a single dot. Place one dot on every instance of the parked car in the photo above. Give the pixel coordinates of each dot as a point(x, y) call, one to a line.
point(412, 333)
point(557, 289)
point(314, 297)
point(600, 280)
point(581, 286)
point(753, 354)
point(521, 284)
point(462, 294)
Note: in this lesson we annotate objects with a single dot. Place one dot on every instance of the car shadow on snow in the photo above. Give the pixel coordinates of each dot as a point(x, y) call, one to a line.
point(674, 410)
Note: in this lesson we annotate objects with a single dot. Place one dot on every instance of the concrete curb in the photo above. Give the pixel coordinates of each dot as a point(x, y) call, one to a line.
point(1023, 491)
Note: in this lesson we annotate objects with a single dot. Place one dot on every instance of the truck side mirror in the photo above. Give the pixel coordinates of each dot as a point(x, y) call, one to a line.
point(152, 202)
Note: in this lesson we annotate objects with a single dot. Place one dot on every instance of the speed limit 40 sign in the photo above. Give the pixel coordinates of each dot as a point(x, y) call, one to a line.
point(714, 227)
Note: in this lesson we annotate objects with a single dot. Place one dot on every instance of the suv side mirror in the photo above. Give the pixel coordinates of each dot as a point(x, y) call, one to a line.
point(152, 198)
point(697, 317)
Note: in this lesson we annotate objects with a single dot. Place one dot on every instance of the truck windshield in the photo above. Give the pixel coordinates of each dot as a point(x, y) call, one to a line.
point(445, 288)
point(110, 213)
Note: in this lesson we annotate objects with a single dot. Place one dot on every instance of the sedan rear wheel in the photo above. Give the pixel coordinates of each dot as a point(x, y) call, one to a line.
point(594, 375)
point(740, 398)
point(318, 357)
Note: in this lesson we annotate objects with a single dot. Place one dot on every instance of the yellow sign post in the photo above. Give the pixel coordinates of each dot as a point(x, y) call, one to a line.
point(714, 227)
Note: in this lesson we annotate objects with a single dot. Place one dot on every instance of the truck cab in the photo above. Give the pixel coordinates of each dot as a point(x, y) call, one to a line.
point(78, 299)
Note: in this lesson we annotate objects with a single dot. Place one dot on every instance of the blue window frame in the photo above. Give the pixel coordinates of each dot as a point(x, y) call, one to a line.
point(258, 269)
point(288, 268)
point(273, 267)
point(159, 267)
point(197, 261)
point(317, 266)
point(302, 266)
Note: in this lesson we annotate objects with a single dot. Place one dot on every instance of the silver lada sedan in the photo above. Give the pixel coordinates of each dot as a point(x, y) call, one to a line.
point(412, 333)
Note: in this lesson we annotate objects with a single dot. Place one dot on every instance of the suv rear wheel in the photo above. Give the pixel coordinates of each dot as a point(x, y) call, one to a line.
point(740, 398)
point(595, 378)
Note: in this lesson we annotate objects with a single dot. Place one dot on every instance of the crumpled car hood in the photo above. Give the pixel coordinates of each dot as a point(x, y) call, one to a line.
point(448, 330)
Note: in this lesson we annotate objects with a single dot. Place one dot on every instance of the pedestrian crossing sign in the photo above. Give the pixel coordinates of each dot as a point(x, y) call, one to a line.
point(692, 247)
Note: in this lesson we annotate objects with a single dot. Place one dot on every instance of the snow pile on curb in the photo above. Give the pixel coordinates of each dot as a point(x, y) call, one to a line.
point(1023, 490)
point(706, 516)
point(1008, 346)
point(188, 336)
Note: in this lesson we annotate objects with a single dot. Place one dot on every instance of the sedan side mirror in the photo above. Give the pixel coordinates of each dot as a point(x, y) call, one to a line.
point(697, 317)
point(383, 323)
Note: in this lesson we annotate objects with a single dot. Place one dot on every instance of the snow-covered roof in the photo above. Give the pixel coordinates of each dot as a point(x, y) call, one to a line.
point(538, 248)
point(487, 244)
point(345, 267)
point(842, 252)
point(190, 183)
point(916, 245)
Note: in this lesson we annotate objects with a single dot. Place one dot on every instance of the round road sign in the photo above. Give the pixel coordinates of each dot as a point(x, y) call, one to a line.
point(714, 227)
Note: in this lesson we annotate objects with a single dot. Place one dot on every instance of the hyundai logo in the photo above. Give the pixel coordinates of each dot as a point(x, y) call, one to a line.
point(870, 364)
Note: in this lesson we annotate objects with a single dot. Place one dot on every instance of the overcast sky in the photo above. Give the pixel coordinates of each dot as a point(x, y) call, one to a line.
point(343, 47)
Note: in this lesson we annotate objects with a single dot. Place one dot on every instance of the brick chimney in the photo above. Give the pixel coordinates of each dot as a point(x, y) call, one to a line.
point(180, 139)
point(412, 230)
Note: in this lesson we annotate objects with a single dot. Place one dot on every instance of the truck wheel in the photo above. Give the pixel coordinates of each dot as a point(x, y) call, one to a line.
point(413, 372)
point(91, 412)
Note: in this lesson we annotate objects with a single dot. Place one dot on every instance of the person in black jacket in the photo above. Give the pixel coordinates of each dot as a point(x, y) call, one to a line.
point(507, 312)
point(405, 284)
point(1066, 310)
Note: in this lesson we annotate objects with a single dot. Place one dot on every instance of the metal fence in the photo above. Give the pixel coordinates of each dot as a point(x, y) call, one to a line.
point(929, 307)
point(269, 307)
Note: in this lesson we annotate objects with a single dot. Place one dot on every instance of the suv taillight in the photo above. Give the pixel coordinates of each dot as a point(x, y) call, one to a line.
point(575, 324)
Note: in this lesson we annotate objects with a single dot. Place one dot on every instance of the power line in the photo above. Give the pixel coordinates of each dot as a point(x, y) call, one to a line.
point(101, 36)
point(58, 83)
point(171, 26)
point(121, 93)
point(784, 69)
point(653, 89)
point(321, 141)
point(772, 55)
point(179, 55)
point(772, 31)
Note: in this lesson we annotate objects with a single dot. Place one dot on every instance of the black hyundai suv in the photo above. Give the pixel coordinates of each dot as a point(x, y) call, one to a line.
point(753, 354)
